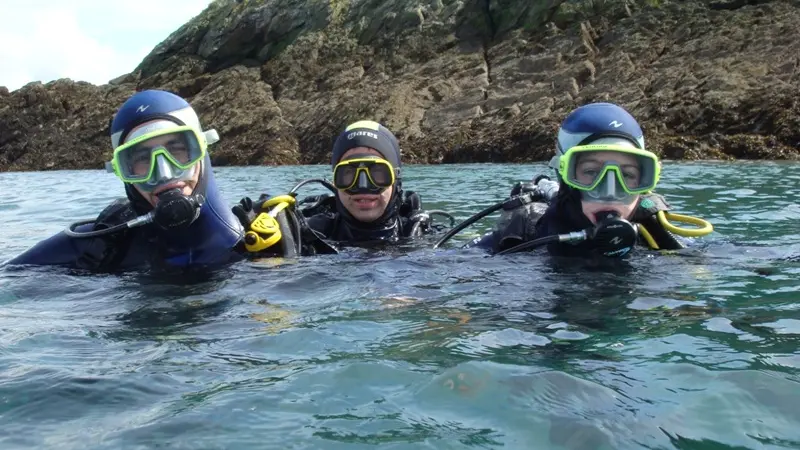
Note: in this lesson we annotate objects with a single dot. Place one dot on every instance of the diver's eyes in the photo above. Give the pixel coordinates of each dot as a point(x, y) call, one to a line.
point(139, 162)
point(590, 172)
point(587, 174)
point(348, 172)
point(632, 178)
point(175, 145)
point(380, 175)
point(179, 150)
point(140, 155)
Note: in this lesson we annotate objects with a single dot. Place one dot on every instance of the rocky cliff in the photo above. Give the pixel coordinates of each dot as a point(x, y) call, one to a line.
point(457, 80)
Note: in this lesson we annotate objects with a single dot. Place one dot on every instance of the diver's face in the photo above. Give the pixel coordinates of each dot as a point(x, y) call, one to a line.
point(186, 186)
point(365, 207)
point(593, 162)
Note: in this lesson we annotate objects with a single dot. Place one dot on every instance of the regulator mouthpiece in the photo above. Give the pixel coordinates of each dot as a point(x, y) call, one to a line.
point(175, 210)
point(613, 236)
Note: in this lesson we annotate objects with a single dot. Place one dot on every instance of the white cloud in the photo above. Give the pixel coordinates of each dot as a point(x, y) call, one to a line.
point(88, 40)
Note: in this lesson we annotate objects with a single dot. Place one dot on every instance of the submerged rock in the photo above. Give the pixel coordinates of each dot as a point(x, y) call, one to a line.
point(457, 80)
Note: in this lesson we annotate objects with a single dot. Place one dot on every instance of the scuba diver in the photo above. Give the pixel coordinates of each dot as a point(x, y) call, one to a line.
point(174, 215)
point(367, 203)
point(602, 202)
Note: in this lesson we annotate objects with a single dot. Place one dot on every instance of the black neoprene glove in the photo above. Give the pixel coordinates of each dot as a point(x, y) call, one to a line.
point(245, 212)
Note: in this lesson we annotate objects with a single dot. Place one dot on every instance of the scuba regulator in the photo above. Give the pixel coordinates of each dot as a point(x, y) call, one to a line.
point(613, 236)
point(173, 211)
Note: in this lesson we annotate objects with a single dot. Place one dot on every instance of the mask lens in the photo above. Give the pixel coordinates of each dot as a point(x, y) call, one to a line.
point(344, 176)
point(138, 162)
point(381, 174)
point(609, 170)
point(376, 172)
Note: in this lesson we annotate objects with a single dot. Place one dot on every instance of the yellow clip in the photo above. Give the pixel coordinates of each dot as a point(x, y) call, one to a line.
point(265, 232)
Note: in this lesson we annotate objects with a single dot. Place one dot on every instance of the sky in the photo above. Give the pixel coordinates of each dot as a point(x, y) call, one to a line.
point(85, 40)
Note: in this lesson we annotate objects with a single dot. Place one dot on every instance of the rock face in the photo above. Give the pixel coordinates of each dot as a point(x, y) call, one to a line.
point(457, 80)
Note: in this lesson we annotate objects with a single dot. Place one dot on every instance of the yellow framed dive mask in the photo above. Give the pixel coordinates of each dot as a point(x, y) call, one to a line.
point(604, 172)
point(364, 174)
point(162, 154)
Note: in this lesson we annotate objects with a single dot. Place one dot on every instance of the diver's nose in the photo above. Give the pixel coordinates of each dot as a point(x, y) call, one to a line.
point(162, 171)
point(610, 191)
point(363, 182)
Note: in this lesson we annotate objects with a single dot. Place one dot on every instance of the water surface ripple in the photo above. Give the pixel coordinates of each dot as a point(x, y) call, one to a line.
point(413, 348)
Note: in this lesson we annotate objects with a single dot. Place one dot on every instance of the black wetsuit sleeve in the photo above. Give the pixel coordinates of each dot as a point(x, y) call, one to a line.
point(95, 253)
point(63, 250)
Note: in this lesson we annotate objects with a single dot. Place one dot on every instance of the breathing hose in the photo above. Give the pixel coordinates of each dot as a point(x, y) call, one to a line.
point(476, 217)
point(139, 221)
point(321, 181)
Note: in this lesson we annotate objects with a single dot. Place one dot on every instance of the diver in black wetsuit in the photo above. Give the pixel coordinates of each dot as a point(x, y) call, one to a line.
point(368, 202)
point(603, 203)
point(174, 215)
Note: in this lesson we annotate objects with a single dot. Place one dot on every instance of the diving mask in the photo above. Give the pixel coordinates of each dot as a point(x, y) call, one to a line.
point(159, 157)
point(609, 173)
point(363, 174)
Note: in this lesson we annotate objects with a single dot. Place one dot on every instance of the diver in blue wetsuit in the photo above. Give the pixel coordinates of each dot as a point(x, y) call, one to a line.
point(174, 215)
point(603, 202)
